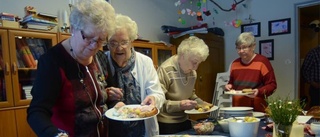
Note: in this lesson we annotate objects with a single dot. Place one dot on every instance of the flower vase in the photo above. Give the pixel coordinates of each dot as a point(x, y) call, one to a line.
point(283, 130)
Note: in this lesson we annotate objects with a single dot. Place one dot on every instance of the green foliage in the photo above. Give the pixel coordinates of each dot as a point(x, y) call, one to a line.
point(283, 110)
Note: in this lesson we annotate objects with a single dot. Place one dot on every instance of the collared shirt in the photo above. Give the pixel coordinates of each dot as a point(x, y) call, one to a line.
point(311, 66)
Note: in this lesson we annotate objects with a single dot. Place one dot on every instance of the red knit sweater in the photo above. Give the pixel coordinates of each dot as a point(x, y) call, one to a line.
point(257, 74)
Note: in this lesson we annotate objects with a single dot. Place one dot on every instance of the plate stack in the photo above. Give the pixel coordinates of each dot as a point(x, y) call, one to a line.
point(227, 112)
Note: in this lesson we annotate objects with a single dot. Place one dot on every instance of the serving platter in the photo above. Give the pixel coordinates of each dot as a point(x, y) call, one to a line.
point(226, 109)
point(194, 111)
point(237, 92)
point(111, 114)
point(258, 114)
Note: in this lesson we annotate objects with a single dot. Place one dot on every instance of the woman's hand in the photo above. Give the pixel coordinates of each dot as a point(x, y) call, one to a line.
point(228, 87)
point(149, 100)
point(114, 93)
point(188, 104)
point(254, 94)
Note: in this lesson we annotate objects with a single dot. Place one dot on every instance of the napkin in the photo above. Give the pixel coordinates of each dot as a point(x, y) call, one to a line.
point(303, 119)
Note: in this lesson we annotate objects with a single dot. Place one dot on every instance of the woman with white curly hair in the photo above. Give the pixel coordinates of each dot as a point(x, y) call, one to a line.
point(178, 77)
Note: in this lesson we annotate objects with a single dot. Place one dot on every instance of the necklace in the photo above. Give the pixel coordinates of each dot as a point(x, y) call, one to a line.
point(184, 83)
point(81, 76)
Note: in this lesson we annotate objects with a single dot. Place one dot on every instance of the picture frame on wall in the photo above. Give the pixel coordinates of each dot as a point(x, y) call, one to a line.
point(278, 27)
point(266, 48)
point(253, 27)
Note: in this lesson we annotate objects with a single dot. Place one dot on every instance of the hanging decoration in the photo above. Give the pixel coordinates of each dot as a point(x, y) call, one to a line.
point(233, 6)
point(250, 19)
point(236, 23)
point(199, 10)
point(192, 8)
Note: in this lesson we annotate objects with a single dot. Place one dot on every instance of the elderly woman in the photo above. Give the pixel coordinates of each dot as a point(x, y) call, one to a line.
point(132, 79)
point(177, 77)
point(251, 71)
point(68, 93)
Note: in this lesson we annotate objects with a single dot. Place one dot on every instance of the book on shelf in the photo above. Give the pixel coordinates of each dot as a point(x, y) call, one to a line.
point(39, 27)
point(24, 42)
point(27, 91)
point(37, 47)
point(24, 54)
point(7, 14)
point(9, 18)
point(42, 14)
point(37, 18)
point(20, 63)
point(41, 43)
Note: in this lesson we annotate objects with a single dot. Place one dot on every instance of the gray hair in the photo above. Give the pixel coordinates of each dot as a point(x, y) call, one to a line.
point(125, 22)
point(98, 12)
point(194, 46)
point(245, 38)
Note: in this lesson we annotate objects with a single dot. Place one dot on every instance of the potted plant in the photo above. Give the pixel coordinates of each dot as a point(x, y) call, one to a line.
point(283, 112)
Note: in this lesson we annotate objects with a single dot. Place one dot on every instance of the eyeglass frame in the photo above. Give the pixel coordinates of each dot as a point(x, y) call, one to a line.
point(123, 44)
point(245, 48)
point(91, 40)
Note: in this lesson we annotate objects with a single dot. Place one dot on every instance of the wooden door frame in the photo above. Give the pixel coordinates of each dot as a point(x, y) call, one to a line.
point(297, 28)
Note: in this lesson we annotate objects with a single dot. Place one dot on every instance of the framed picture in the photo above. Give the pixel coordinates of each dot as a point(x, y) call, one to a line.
point(266, 48)
point(281, 26)
point(253, 27)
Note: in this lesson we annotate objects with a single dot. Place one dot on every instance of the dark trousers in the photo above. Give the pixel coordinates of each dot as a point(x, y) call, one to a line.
point(314, 96)
point(172, 128)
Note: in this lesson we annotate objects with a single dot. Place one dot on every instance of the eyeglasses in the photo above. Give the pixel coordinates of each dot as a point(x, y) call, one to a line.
point(245, 48)
point(90, 40)
point(123, 44)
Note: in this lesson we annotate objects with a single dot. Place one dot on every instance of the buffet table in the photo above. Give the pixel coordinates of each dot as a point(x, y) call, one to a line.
point(218, 132)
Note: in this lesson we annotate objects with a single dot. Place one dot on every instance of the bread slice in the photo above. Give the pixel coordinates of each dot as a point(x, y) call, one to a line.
point(247, 90)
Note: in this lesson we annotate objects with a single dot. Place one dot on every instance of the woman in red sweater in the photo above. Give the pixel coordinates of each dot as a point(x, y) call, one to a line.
point(251, 71)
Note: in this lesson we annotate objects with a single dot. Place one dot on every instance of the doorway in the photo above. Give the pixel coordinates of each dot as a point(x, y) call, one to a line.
point(306, 39)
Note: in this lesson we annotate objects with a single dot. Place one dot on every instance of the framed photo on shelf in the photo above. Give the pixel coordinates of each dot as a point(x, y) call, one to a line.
point(253, 27)
point(266, 48)
point(278, 27)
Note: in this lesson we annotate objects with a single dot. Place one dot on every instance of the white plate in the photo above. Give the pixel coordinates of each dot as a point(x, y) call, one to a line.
point(110, 115)
point(194, 111)
point(236, 112)
point(239, 93)
point(236, 108)
point(258, 114)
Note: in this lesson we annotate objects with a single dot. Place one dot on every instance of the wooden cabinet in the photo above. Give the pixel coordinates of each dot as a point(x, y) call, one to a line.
point(159, 52)
point(62, 36)
point(16, 77)
point(207, 70)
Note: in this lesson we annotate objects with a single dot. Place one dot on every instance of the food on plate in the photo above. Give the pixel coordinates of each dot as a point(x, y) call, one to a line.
point(235, 91)
point(203, 128)
point(247, 90)
point(203, 107)
point(246, 119)
point(135, 112)
point(314, 111)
